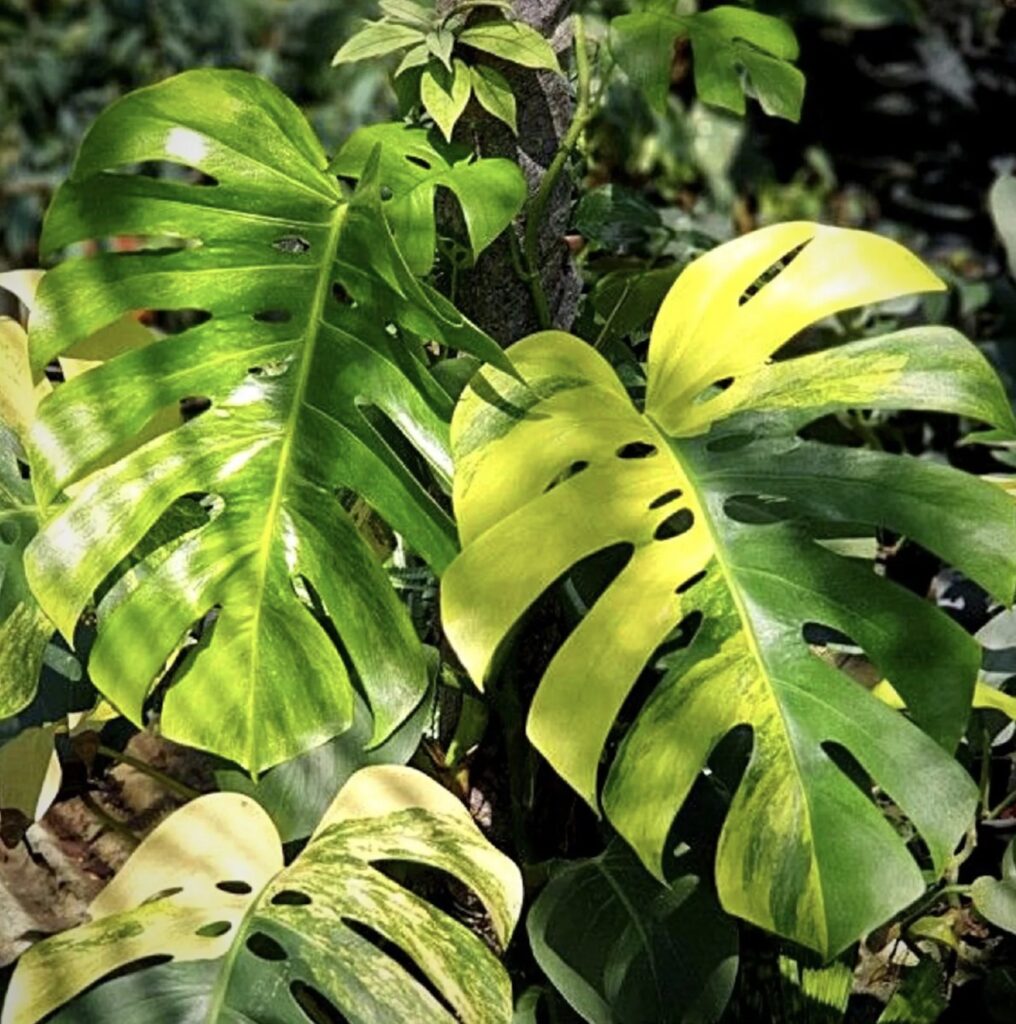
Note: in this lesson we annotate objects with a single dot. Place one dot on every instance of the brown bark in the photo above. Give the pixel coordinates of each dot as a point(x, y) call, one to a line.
point(492, 294)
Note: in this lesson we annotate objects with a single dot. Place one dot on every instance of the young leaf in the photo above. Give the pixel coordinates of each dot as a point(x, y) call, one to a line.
point(494, 94)
point(621, 946)
point(721, 506)
point(416, 13)
point(440, 43)
point(251, 939)
point(724, 40)
point(299, 281)
point(1002, 202)
point(444, 94)
point(513, 41)
point(490, 192)
point(377, 39)
point(417, 57)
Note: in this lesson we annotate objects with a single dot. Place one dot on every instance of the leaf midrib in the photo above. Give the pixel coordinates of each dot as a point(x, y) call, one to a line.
point(314, 317)
point(672, 446)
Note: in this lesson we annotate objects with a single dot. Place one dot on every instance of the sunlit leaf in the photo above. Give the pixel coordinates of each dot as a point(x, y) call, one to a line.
point(514, 41)
point(720, 507)
point(299, 282)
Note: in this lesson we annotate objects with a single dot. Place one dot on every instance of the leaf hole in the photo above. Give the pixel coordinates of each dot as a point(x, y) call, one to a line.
point(176, 321)
point(566, 474)
point(23, 470)
point(679, 638)
point(341, 296)
point(674, 525)
point(235, 886)
point(292, 244)
point(690, 582)
point(395, 952)
point(772, 272)
point(713, 390)
point(730, 442)
point(273, 316)
point(163, 894)
point(172, 170)
point(666, 498)
point(761, 509)
point(214, 929)
point(291, 898)
point(192, 406)
point(636, 450)
point(264, 947)
point(418, 161)
point(386, 193)
point(315, 1006)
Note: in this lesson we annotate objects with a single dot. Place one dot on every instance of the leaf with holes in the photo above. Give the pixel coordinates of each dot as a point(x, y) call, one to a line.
point(726, 516)
point(724, 41)
point(621, 947)
point(311, 346)
point(220, 930)
point(414, 165)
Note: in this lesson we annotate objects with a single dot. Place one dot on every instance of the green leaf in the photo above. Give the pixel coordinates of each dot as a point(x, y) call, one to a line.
point(444, 94)
point(721, 507)
point(494, 94)
point(25, 629)
point(411, 12)
point(29, 772)
point(300, 282)
point(440, 43)
point(514, 41)
point(296, 794)
point(417, 57)
point(619, 946)
point(724, 41)
point(254, 940)
point(1002, 202)
point(377, 39)
point(625, 300)
point(413, 166)
point(996, 901)
point(617, 218)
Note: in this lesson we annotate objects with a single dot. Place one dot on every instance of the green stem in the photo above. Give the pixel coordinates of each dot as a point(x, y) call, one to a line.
point(998, 809)
point(173, 785)
point(108, 821)
point(538, 204)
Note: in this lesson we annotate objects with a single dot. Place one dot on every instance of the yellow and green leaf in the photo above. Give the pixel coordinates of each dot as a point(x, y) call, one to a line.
point(238, 936)
point(726, 514)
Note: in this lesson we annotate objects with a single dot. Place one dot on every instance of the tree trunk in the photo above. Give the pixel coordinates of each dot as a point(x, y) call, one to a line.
point(492, 293)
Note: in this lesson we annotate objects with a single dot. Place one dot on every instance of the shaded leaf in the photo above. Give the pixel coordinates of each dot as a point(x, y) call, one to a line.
point(622, 948)
point(494, 94)
point(249, 937)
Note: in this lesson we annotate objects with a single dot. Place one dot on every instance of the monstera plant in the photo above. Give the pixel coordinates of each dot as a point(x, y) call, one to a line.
point(310, 339)
point(730, 515)
point(216, 929)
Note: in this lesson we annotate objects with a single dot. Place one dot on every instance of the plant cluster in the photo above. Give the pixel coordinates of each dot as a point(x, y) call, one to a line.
point(266, 491)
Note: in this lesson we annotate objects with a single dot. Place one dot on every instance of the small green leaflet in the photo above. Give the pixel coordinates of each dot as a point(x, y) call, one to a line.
point(494, 94)
point(377, 39)
point(444, 94)
point(725, 41)
point(513, 41)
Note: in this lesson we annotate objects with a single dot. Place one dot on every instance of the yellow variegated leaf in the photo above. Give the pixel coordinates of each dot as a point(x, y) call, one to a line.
point(725, 525)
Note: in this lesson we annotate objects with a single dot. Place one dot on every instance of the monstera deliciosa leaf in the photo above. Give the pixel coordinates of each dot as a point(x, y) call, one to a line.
point(313, 336)
point(413, 166)
point(235, 936)
point(729, 518)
